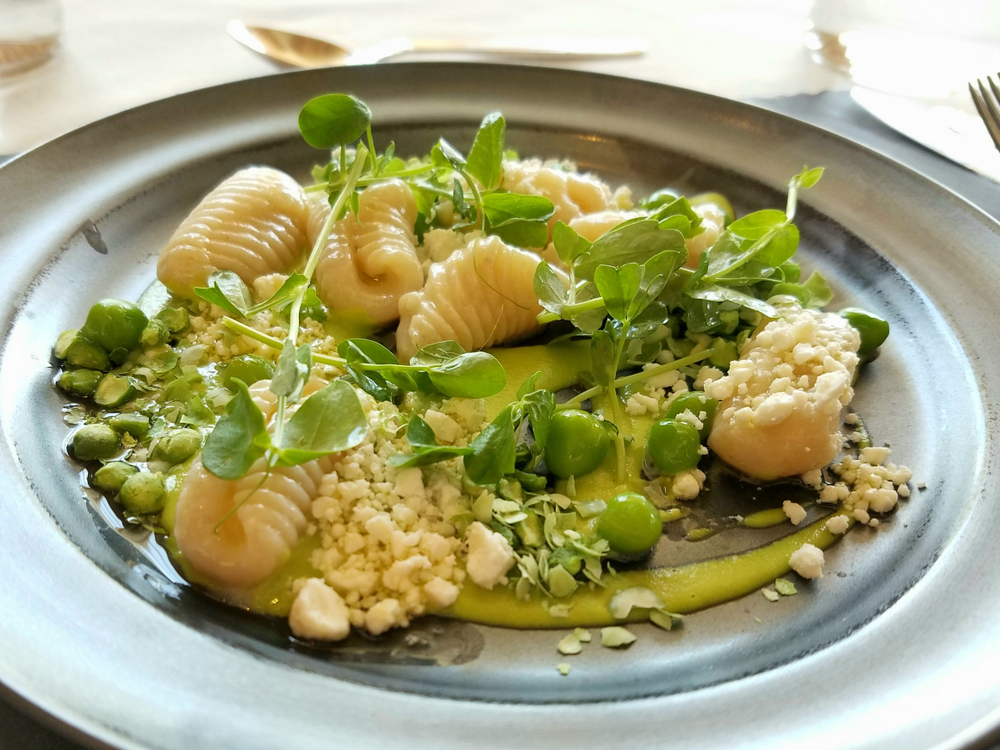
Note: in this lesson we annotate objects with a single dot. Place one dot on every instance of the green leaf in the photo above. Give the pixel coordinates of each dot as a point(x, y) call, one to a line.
point(506, 208)
point(679, 215)
point(602, 355)
point(569, 244)
point(550, 289)
point(618, 287)
point(518, 220)
point(634, 241)
point(662, 197)
point(529, 384)
point(807, 177)
point(329, 421)
point(444, 155)
point(540, 406)
point(493, 451)
point(333, 120)
point(756, 225)
point(820, 294)
point(471, 375)
point(486, 155)
point(717, 293)
point(283, 297)
point(292, 371)
point(360, 352)
point(426, 450)
point(437, 353)
point(781, 247)
point(227, 290)
point(239, 438)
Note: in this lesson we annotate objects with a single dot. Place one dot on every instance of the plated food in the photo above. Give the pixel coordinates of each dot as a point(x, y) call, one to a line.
point(471, 384)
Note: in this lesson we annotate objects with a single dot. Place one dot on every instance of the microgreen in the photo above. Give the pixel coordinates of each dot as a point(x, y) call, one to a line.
point(334, 120)
point(485, 161)
point(239, 437)
point(425, 448)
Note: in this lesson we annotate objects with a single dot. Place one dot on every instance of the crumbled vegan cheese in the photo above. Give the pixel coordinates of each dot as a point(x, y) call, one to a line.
point(490, 556)
point(687, 484)
point(838, 524)
point(807, 561)
point(795, 512)
point(446, 429)
point(639, 404)
point(388, 543)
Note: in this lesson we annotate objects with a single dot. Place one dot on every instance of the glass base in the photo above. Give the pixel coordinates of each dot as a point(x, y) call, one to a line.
point(21, 56)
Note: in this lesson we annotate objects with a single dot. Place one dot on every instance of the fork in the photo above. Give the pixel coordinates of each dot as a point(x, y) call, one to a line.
point(988, 104)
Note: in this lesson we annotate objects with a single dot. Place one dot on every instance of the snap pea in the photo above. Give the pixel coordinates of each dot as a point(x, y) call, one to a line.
point(143, 493)
point(115, 324)
point(63, 342)
point(577, 443)
point(84, 353)
point(631, 524)
point(79, 382)
point(872, 329)
point(674, 446)
point(697, 403)
point(135, 425)
point(177, 446)
point(111, 476)
point(95, 441)
point(154, 334)
point(114, 390)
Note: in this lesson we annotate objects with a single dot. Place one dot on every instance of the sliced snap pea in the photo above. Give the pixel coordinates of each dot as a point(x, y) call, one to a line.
point(80, 382)
point(143, 493)
point(114, 390)
point(176, 319)
point(177, 446)
point(94, 441)
point(115, 324)
point(84, 353)
point(135, 425)
point(111, 476)
point(154, 334)
point(63, 342)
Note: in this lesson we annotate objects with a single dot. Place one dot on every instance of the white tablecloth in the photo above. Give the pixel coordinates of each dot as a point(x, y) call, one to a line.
point(118, 54)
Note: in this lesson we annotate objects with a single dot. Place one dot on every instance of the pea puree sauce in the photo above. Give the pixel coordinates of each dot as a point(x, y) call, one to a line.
point(683, 589)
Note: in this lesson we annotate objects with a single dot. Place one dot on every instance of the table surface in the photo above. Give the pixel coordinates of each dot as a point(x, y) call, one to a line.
point(118, 54)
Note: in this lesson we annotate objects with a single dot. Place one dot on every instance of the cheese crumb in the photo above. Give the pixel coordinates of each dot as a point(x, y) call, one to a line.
point(838, 524)
point(807, 561)
point(490, 556)
point(795, 512)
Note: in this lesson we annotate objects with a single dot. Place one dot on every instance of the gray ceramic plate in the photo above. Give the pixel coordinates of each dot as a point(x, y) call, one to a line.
point(895, 647)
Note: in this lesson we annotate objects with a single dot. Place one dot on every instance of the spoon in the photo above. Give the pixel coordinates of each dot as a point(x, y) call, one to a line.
point(302, 51)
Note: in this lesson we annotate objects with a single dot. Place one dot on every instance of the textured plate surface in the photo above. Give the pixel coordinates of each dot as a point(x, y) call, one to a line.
point(893, 648)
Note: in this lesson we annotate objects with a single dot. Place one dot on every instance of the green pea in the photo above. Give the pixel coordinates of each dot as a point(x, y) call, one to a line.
point(114, 390)
point(577, 443)
point(674, 446)
point(143, 493)
point(111, 476)
point(631, 524)
point(154, 334)
point(176, 319)
point(95, 441)
point(115, 324)
point(177, 446)
point(872, 329)
point(80, 382)
point(135, 425)
point(246, 367)
point(697, 403)
point(84, 353)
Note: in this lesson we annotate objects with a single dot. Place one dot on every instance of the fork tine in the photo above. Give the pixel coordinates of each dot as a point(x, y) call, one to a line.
point(987, 111)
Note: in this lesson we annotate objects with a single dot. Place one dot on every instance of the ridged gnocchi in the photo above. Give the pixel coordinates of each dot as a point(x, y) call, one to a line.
point(572, 194)
point(254, 223)
point(369, 262)
point(260, 535)
point(482, 295)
